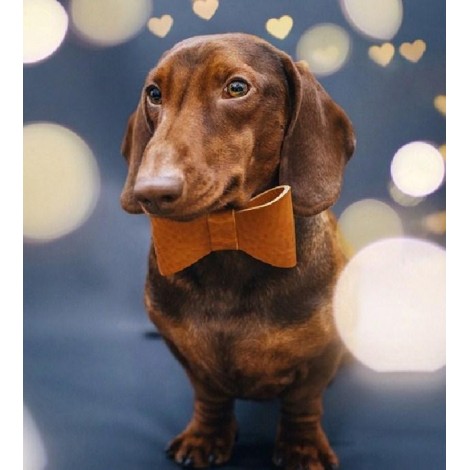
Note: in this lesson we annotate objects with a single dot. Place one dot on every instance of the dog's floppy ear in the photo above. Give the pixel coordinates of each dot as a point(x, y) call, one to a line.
point(318, 143)
point(135, 140)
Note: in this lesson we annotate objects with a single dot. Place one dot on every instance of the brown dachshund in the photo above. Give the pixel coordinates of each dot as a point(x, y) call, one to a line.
point(221, 119)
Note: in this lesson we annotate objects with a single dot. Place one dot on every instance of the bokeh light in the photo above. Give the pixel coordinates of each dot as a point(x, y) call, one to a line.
point(109, 22)
point(389, 305)
point(413, 51)
point(205, 9)
point(34, 452)
point(417, 169)
point(160, 26)
point(45, 24)
point(442, 151)
point(383, 54)
point(325, 48)
point(280, 27)
point(401, 198)
point(367, 221)
point(375, 19)
point(440, 104)
point(60, 181)
point(435, 223)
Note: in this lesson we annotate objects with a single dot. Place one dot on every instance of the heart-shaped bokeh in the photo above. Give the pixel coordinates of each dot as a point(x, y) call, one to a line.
point(280, 27)
point(160, 26)
point(383, 54)
point(413, 51)
point(205, 8)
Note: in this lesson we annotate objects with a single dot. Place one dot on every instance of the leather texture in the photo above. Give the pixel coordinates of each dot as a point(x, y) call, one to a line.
point(264, 229)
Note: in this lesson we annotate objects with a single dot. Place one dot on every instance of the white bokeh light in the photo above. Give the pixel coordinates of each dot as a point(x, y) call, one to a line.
point(109, 22)
point(60, 181)
point(417, 169)
point(403, 199)
point(375, 19)
point(45, 25)
point(367, 221)
point(389, 305)
point(325, 48)
point(34, 452)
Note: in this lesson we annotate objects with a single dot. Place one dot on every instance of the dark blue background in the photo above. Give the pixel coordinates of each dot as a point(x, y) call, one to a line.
point(104, 391)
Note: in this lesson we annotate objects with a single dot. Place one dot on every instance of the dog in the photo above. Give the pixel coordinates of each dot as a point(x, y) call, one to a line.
point(222, 119)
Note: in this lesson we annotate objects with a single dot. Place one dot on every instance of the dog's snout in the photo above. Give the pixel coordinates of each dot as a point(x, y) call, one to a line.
point(159, 192)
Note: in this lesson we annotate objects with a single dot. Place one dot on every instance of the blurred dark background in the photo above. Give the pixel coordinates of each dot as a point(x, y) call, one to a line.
point(101, 388)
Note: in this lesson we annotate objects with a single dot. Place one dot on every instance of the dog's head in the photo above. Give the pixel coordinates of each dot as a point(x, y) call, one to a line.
point(222, 118)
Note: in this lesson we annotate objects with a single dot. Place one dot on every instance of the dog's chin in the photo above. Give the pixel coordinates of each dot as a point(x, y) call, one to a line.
point(191, 211)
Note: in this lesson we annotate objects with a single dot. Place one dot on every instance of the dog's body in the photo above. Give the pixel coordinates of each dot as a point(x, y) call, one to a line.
point(221, 119)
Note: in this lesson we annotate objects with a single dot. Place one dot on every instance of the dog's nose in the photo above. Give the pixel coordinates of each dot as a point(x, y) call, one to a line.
point(158, 193)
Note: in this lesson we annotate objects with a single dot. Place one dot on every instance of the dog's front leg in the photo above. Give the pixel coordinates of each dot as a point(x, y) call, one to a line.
point(301, 443)
point(209, 437)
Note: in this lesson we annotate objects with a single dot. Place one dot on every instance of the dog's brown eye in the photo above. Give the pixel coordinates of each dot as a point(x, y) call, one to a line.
point(236, 89)
point(154, 94)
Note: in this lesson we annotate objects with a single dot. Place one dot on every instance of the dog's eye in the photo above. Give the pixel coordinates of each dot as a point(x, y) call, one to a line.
point(236, 89)
point(154, 94)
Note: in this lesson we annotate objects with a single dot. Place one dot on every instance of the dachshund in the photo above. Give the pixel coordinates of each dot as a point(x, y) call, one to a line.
point(221, 119)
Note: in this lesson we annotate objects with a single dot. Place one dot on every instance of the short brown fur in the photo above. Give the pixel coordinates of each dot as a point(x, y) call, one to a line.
point(241, 328)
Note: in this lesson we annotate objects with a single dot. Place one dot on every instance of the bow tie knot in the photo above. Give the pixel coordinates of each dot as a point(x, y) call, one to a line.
point(223, 230)
point(264, 230)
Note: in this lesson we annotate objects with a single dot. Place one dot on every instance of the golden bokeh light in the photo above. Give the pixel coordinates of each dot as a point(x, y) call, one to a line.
point(440, 104)
point(205, 9)
point(389, 305)
point(325, 48)
point(367, 221)
point(417, 169)
point(375, 19)
point(435, 223)
point(160, 26)
point(109, 22)
point(383, 54)
point(413, 51)
point(60, 181)
point(442, 151)
point(45, 24)
point(279, 27)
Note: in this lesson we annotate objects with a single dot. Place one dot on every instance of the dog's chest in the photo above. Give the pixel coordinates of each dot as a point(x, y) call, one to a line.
point(245, 336)
point(246, 357)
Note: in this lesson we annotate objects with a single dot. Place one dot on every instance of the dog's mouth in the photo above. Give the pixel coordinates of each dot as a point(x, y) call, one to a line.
point(230, 196)
point(232, 186)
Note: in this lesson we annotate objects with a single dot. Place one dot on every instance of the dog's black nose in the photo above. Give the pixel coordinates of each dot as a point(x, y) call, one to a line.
point(158, 193)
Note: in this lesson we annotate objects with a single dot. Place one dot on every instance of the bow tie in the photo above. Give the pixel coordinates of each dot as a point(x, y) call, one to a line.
point(264, 230)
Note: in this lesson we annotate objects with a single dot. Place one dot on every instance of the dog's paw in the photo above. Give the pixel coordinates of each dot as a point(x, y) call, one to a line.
point(303, 457)
point(195, 449)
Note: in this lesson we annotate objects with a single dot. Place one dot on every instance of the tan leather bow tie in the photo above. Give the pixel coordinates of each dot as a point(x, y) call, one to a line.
point(264, 229)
